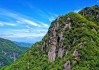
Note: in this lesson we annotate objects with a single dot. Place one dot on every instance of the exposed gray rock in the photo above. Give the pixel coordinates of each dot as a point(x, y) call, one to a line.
point(43, 46)
point(68, 20)
point(75, 54)
point(14, 57)
point(61, 36)
point(68, 23)
point(67, 65)
point(51, 54)
point(60, 52)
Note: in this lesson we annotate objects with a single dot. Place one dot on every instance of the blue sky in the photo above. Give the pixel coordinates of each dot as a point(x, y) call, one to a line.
point(29, 20)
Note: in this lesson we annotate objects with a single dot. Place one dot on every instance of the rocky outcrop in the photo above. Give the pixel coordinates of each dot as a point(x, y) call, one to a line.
point(67, 65)
point(10, 54)
point(43, 46)
point(75, 54)
point(52, 54)
point(68, 22)
point(60, 52)
point(14, 57)
point(57, 40)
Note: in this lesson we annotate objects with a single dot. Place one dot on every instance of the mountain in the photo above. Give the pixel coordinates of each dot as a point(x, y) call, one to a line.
point(23, 44)
point(71, 43)
point(91, 13)
point(9, 52)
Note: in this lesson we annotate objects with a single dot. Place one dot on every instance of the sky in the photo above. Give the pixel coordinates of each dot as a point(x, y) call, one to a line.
point(29, 20)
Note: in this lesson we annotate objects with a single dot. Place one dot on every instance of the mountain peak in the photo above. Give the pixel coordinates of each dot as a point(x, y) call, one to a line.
point(71, 43)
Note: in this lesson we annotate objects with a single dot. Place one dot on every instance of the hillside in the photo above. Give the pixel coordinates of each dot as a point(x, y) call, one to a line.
point(9, 52)
point(23, 44)
point(91, 13)
point(71, 43)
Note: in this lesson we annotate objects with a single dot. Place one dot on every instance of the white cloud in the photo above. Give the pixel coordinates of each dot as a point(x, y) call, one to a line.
point(77, 10)
point(18, 17)
point(45, 25)
point(10, 24)
point(28, 30)
point(7, 23)
point(21, 35)
point(30, 22)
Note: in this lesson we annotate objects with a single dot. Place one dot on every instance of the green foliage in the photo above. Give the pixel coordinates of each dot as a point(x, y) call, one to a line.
point(8, 47)
point(82, 29)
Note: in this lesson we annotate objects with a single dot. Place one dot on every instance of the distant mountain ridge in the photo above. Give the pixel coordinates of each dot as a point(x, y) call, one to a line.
point(9, 52)
point(23, 44)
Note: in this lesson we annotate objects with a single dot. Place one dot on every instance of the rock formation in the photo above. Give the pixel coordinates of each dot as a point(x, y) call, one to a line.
point(60, 52)
point(68, 22)
point(14, 57)
point(51, 54)
point(75, 54)
point(43, 46)
point(67, 65)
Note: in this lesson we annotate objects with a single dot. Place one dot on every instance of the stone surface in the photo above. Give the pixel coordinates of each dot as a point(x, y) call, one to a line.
point(60, 52)
point(75, 54)
point(67, 65)
point(43, 46)
point(51, 54)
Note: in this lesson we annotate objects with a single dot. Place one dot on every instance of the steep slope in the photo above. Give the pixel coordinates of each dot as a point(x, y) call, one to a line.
point(72, 42)
point(91, 13)
point(9, 52)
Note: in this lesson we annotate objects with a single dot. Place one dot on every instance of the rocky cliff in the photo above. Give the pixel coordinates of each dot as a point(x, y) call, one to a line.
point(71, 43)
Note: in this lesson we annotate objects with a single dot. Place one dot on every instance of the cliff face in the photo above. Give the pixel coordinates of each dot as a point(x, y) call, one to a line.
point(71, 43)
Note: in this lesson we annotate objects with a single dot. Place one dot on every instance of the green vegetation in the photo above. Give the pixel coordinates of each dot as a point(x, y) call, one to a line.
point(85, 32)
point(91, 13)
point(7, 48)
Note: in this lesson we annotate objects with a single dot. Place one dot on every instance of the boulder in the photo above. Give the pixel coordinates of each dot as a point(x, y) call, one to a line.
point(67, 65)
